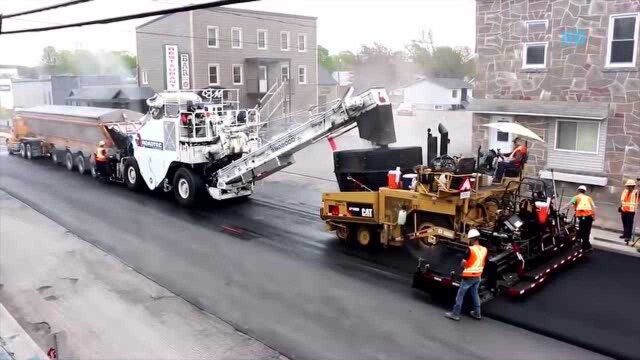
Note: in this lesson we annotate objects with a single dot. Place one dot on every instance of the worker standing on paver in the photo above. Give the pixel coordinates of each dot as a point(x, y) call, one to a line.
point(472, 265)
point(628, 204)
point(585, 213)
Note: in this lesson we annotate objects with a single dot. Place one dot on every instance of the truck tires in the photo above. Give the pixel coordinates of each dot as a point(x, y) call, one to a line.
point(68, 161)
point(367, 236)
point(54, 156)
point(29, 151)
point(23, 150)
point(187, 187)
point(81, 164)
point(132, 175)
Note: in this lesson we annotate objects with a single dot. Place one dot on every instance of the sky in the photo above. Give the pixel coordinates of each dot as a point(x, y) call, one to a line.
point(342, 24)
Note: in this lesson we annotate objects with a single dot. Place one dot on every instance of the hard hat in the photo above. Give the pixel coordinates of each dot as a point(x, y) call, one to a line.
point(473, 233)
point(630, 182)
point(101, 143)
point(582, 187)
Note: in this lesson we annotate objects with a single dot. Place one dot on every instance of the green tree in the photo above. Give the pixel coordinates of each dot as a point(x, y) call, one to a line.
point(84, 62)
point(326, 60)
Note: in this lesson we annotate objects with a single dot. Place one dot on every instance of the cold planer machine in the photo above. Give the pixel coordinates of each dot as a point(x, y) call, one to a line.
point(529, 241)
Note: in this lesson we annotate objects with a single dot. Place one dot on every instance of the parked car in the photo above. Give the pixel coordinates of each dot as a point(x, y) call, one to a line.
point(405, 109)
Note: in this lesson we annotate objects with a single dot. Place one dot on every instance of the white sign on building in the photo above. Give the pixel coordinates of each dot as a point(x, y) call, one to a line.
point(172, 74)
point(185, 72)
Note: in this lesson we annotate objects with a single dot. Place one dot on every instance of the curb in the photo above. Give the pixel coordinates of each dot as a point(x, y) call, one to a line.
point(15, 343)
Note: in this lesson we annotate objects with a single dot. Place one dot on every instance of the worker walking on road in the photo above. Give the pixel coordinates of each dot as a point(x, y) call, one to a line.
point(102, 160)
point(628, 204)
point(472, 265)
point(585, 213)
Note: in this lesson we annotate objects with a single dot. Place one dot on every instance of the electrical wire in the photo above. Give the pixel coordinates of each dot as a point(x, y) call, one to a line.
point(130, 17)
point(46, 8)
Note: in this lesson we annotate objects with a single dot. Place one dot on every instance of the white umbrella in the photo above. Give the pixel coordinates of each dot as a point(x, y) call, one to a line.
point(514, 128)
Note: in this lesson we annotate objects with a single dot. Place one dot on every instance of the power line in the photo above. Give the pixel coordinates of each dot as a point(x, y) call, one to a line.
point(131, 17)
point(51, 7)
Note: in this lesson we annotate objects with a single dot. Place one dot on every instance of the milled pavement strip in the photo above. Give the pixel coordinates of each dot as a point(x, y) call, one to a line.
point(69, 279)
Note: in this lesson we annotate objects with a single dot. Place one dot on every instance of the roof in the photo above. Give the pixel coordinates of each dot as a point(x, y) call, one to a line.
point(325, 78)
point(565, 109)
point(95, 113)
point(450, 83)
point(109, 93)
point(229, 10)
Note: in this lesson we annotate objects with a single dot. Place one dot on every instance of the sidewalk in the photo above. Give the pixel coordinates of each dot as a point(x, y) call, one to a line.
point(15, 343)
point(610, 240)
point(64, 291)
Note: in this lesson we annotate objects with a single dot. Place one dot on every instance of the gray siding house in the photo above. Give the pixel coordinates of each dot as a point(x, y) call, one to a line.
point(232, 49)
point(569, 71)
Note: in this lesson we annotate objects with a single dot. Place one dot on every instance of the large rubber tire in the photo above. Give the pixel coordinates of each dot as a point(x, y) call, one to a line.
point(367, 236)
point(55, 156)
point(68, 161)
point(132, 176)
point(29, 150)
point(345, 233)
point(23, 150)
point(81, 164)
point(187, 187)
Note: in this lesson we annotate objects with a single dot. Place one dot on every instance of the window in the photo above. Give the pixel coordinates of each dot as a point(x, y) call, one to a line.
point(454, 93)
point(144, 77)
point(302, 74)
point(214, 74)
point(536, 26)
point(579, 136)
point(284, 73)
point(212, 36)
point(302, 42)
point(622, 41)
point(534, 56)
point(284, 40)
point(236, 38)
point(237, 74)
point(262, 39)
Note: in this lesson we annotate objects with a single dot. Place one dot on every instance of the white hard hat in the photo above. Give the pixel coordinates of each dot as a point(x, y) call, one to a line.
point(473, 233)
point(630, 182)
point(582, 187)
point(101, 143)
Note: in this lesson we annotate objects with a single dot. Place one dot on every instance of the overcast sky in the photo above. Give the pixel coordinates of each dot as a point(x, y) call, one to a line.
point(342, 24)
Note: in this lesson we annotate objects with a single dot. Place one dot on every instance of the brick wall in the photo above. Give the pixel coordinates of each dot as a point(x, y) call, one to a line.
point(575, 71)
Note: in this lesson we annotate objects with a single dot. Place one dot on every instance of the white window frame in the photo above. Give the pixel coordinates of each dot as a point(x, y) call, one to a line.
point(233, 77)
point(217, 73)
point(532, 22)
point(288, 40)
point(144, 77)
point(555, 145)
point(610, 41)
point(524, 55)
point(266, 39)
point(217, 34)
point(239, 37)
point(304, 35)
point(285, 66)
point(306, 74)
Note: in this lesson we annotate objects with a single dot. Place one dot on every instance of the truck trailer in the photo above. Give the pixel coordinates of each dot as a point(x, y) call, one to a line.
point(190, 142)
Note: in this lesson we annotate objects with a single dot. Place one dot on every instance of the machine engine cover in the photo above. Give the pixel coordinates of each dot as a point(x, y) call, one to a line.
point(377, 125)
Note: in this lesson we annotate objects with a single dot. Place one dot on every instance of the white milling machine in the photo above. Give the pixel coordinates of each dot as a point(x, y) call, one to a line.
point(189, 145)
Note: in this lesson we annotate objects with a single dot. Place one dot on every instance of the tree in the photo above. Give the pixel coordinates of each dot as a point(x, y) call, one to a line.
point(49, 58)
point(326, 60)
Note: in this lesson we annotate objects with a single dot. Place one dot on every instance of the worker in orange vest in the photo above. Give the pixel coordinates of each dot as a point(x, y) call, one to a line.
point(472, 265)
point(102, 159)
point(585, 211)
point(628, 205)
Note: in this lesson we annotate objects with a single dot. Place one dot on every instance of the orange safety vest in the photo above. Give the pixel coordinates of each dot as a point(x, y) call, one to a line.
point(584, 205)
point(629, 200)
point(475, 264)
point(101, 154)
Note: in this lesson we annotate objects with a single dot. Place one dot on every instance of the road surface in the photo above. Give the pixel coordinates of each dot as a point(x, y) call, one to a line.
point(272, 274)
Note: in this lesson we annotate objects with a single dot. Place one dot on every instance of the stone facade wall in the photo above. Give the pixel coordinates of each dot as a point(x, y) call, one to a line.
point(575, 71)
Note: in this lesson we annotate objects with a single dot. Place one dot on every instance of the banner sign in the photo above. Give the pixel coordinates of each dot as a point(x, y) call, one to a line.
point(171, 67)
point(185, 72)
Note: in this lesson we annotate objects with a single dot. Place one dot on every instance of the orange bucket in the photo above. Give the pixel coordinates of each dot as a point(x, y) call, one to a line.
point(542, 210)
point(392, 180)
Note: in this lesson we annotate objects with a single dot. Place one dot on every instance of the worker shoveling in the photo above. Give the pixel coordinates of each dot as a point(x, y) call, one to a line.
point(431, 208)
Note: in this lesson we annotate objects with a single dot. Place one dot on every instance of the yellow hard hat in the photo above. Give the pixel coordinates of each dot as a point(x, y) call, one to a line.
point(101, 143)
point(630, 182)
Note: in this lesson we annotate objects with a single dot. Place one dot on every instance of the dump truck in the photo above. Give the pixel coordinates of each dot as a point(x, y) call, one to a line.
point(190, 143)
